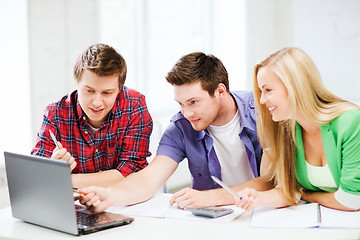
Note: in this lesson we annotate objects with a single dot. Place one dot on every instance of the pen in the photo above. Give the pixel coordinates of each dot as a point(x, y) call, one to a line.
point(227, 188)
point(54, 139)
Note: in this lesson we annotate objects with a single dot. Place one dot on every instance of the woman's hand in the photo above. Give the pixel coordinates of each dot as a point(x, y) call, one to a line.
point(249, 199)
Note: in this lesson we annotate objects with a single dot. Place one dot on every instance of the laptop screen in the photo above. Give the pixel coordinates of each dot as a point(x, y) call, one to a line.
point(41, 193)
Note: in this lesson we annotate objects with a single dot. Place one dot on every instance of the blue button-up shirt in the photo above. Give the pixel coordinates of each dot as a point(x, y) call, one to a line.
point(181, 141)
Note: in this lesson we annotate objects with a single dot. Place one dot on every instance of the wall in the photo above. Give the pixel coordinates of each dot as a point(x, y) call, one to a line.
point(15, 123)
point(268, 27)
point(329, 31)
point(57, 30)
point(240, 32)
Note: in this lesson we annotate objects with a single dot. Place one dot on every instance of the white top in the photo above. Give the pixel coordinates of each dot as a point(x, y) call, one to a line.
point(231, 153)
point(92, 129)
point(321, 177)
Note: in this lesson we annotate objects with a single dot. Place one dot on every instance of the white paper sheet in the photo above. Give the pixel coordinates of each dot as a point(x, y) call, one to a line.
point(331, 218)
point(159, 207)
point(304, 216)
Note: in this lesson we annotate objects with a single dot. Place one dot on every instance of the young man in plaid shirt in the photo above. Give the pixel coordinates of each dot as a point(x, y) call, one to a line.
point(102, 128)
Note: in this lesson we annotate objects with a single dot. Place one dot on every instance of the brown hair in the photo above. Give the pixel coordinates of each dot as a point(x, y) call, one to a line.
point(198, 66)
point(102, 60)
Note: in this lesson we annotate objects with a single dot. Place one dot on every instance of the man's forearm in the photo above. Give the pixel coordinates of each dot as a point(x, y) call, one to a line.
point(142, 185)
point(100, 179)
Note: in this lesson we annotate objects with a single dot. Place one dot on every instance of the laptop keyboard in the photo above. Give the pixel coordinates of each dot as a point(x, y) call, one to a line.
point(86, 218)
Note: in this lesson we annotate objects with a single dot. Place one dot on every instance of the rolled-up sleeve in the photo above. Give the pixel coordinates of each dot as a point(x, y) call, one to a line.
point(172, 144)
point(348, 193)
point(135, 143)
point(347, 199)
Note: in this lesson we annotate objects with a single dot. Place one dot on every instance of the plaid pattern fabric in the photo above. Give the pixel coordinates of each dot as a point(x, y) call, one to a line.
point(122, 142)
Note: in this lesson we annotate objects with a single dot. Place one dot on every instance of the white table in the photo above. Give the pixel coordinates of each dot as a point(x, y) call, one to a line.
point(159, 228)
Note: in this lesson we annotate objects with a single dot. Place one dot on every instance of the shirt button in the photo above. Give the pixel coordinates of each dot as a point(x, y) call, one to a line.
point(199, 174)
point(84, 118)
point(96, 150)
point(86, 132)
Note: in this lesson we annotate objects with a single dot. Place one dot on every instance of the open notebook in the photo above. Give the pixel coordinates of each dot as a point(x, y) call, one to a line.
point(304, 216)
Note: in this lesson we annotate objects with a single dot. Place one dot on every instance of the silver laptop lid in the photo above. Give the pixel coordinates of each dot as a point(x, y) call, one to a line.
point(40, 191)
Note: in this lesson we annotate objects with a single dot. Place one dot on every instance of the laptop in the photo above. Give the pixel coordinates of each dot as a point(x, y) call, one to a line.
point(41, 193)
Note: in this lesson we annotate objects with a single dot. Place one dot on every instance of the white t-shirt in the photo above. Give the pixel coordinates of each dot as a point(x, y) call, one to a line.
point(92, 129)
point(231, 153)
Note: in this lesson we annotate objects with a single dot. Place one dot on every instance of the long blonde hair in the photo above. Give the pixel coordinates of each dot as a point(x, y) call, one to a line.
point(307, 94)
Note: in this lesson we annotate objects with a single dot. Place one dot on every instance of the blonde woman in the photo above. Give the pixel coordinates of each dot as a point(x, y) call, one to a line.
point(312, 137)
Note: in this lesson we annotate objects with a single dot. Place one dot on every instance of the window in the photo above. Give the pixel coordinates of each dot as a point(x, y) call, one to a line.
point(14, 83)
point(153, 34)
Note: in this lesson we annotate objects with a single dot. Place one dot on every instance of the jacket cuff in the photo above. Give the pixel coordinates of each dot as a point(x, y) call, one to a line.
point(347, 199)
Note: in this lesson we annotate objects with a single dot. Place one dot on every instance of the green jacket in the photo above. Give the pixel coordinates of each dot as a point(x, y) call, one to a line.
point(341, 140)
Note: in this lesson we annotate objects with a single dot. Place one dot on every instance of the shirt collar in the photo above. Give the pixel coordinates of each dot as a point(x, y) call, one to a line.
point(244, 104)
point(80, 113)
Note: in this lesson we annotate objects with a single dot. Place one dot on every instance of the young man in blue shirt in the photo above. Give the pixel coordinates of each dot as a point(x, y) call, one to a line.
point(215, 130)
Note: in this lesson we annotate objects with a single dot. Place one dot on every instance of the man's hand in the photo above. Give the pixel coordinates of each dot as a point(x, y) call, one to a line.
point(96, 199)
point(62, 154)
point(191, 198)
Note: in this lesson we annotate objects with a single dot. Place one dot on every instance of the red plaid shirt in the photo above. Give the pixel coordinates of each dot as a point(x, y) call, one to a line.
point(122, 141)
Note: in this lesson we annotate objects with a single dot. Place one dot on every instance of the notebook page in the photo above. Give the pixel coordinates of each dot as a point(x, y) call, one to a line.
point(331, 218)
point(157, 206)
point(301, 216)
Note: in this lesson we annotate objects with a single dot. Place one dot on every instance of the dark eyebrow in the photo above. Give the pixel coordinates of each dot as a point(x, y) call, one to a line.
point(188, 100)
point(87, 86)
point(109, 90)
point(105, 90)
point(263, 86)
point(191, 99)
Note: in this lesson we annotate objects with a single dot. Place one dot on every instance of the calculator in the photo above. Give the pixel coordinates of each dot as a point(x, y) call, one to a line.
point(210, 212)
